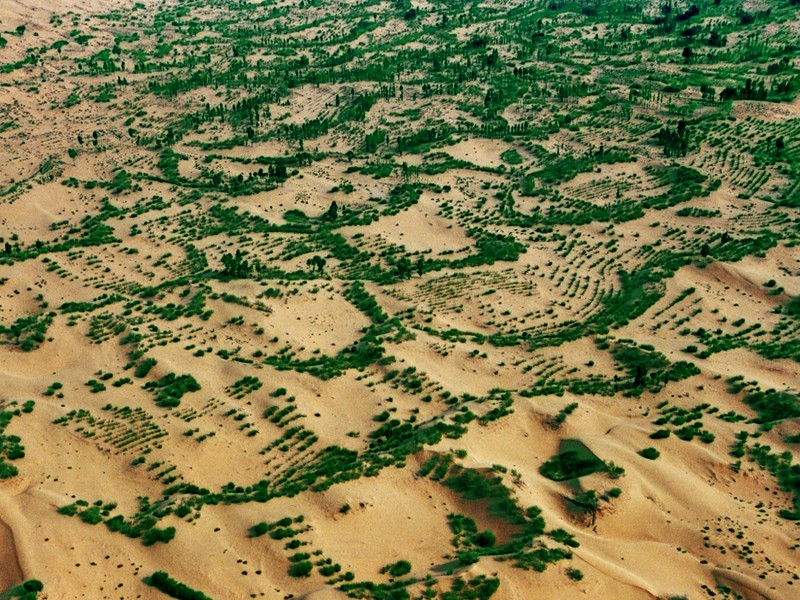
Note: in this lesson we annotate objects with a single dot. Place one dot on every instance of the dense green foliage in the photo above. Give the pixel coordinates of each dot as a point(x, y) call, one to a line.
point(175, 589)
point(171, 388)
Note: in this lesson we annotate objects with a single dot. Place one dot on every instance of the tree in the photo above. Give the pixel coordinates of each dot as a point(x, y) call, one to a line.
point(420, 266)
point(675, 141)
point(716, 40)
point(780, 145)
point(688, 53)
point(316, 263)
point(332, 213)
point(640, 375)
point(235, 266)
point(493, 59)
point(403, 268)
point(587, 502)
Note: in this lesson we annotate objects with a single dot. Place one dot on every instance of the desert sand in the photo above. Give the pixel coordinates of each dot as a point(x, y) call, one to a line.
point(306, 300)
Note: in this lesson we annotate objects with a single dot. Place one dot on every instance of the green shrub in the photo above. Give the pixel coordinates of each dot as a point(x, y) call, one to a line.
point(574, 574)
point(154, 535)
point(91, 515)
point(571, 465)
point(398, 569)
point(649, 453)
point(144, 367)
point(485, 539)
point(169, 586)
point(171, 388)
point(258, 529)
point(300, 569)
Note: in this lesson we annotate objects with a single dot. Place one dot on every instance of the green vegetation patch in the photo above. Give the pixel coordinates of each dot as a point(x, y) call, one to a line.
point(171, 388)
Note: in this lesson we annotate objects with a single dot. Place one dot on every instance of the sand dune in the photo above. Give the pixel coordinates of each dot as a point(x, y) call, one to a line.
point(312, 300)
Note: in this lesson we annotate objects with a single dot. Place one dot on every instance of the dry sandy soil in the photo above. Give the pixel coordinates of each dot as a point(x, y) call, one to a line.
point(295, 361)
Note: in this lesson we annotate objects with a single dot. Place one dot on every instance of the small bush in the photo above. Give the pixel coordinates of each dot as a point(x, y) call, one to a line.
point(258, 529)
point(485, 539)
point(398, 569)
point(91, 515)
point(649, 453)
point(300, 569)
point(574, 574)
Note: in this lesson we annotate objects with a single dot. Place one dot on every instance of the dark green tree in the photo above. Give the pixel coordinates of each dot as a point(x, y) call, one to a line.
point(235, 266)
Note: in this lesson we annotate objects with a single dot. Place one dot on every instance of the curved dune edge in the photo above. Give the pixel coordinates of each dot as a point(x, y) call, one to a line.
point(745, 586)
point(324, 594)
point(10, 569)
point(617, 573)
point(15, 555)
